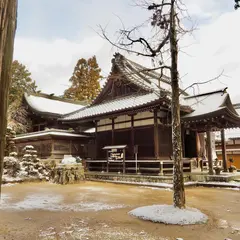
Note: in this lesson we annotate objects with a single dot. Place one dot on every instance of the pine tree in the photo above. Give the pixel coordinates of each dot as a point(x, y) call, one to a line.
point(85, 80)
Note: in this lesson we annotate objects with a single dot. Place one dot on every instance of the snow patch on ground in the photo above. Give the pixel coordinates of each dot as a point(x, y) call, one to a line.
point(93, 188)
point(232, 183)
point(8, 184)
point(155, 188)
point(49, 202)
point(82, 230)
point(168, 214)
point(222, 223)
point(90, 206)
point(36, 202)
point(4, 199)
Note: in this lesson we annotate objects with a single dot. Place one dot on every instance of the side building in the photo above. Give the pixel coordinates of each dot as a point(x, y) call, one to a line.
point(50, 137)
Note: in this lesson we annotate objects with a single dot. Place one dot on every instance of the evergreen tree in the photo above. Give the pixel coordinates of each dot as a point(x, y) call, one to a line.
point(21, 82)
point(85, 80)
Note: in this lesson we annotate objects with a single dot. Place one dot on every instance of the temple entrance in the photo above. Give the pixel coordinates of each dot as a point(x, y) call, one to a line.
point(190, 144)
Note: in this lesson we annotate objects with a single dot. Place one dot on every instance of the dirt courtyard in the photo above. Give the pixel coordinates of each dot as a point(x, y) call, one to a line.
point(93, 210)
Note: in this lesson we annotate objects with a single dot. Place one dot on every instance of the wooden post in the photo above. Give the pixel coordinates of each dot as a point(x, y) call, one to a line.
point(183, 141)
point(124, 166)
point(132, 135)
point(96, 139)
point(113, 131)
point(156, 135)
point(107, 162)
point(224, 153)
point(209, 150)
point(198, 148)
point(52, 148)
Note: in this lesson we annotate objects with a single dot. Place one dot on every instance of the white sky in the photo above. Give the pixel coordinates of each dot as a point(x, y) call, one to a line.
point(53, 35)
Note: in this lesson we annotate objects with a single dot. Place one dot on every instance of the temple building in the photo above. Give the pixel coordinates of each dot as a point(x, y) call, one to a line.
point(127, 128)
point(133, 112)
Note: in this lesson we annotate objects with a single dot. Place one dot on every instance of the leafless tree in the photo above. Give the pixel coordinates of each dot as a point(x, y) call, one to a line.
point(237, 4)
point(8, 21)
point(162, 47)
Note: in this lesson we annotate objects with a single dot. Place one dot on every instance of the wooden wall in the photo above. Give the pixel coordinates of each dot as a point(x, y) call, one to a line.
point(233, 151)
point(55, 148)
point(143, 129)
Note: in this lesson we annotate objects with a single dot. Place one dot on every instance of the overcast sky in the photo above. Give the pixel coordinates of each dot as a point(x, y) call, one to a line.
point(53, 35)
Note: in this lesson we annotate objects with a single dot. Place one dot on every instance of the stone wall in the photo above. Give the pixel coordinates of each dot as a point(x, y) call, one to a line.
point(130, 178)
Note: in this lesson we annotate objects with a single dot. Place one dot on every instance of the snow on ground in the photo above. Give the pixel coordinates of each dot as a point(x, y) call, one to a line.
point(82, 230)
point(156, 188)
point(54, 202)
point(231, 184)
point(8, 184)
point(168, 214)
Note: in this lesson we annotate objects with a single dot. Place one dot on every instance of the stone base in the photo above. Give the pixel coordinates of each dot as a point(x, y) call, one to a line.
point(68, 173)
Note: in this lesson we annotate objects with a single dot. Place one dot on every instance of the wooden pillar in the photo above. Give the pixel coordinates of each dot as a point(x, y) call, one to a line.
point(52, 149)
point(224, 153)
point(113, 131)
point(209, 150)
point(183, 142)
point(198, 148)
point(124, 164)
point(132, 136)
point(70, 147)
point(96, 139)
point(156, 135)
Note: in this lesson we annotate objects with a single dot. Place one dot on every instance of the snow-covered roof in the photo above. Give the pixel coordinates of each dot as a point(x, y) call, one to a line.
point(115, 147)
point(47, 104)
point(90, 130)
point(211, 102)
point(50, 132)
point(230, 134)
point(123, 103)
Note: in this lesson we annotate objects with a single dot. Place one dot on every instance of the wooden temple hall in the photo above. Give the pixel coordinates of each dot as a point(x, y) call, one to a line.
point(127, 128)
point(132, 121)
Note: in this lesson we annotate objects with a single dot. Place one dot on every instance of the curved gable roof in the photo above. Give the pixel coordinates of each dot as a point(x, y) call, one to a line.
point(208, 104)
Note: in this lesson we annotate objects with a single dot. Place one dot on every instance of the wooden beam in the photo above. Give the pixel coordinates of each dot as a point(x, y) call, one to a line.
point(156, 135)
point(209, 150)
point(224, 153)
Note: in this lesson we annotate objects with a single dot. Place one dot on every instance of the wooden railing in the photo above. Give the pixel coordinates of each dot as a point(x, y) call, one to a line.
point(150, 167)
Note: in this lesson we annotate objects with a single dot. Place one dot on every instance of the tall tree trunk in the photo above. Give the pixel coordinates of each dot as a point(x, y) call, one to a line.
point(178, 182)
point(8, 22)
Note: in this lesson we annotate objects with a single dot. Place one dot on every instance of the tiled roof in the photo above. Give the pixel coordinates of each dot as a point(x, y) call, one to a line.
point(110, 106)
point(140, 75)
point(44, 104)
point(207, 103)
point(155, 86)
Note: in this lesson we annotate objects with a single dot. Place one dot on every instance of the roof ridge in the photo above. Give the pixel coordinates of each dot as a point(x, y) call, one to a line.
point(223, 90)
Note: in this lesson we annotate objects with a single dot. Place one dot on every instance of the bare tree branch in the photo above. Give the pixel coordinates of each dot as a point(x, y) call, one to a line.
point(203, 82)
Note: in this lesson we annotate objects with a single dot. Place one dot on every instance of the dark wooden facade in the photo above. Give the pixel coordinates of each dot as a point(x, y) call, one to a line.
point(54, 144)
